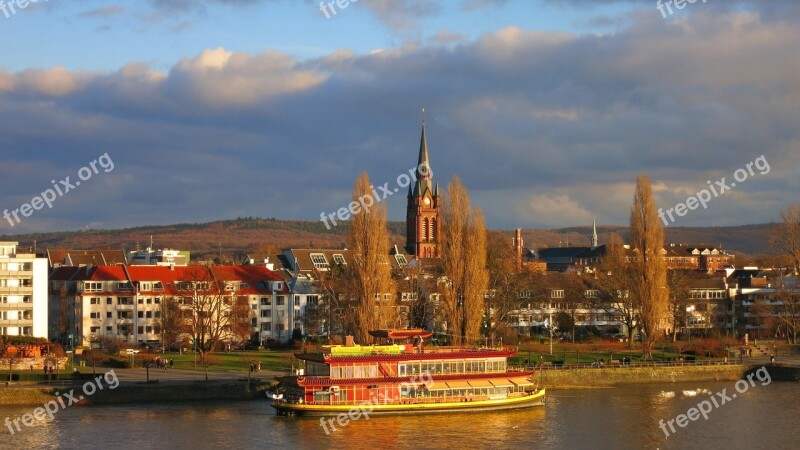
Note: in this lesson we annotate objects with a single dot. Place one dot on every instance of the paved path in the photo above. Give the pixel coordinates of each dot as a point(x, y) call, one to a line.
point(186, 376)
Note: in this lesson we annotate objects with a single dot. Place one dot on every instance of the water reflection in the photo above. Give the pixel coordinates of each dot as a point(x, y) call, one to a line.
point(625, 417)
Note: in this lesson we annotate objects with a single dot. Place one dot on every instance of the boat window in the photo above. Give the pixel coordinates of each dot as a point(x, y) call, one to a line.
point(401, 370)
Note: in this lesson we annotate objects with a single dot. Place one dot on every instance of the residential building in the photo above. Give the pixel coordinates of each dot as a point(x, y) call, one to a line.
point(124, 302)
point(23, 292)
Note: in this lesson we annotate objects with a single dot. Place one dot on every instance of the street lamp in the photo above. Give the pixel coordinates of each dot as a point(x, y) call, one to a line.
point(72, 351)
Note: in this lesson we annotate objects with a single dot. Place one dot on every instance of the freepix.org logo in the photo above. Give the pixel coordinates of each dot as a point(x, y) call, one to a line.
point(60, 189)
point(62, 401)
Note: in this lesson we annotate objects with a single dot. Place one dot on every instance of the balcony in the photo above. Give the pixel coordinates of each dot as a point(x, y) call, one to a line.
point(16, 289)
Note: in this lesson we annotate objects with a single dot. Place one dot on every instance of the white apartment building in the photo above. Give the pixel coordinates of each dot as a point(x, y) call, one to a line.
point(124, 302)
point(23, 292)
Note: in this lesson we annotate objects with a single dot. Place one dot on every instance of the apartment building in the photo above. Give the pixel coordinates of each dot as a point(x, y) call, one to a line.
point(125, 302)
point(23, 292)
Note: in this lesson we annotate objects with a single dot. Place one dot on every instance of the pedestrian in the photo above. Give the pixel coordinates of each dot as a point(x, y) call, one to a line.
point(259, 367)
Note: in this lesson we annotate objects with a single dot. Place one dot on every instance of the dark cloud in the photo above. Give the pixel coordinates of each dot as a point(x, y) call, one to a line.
point(544, 128)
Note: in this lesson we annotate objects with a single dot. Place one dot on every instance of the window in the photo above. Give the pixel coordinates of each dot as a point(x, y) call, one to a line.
point(141, 314)
point(109, 330)
point(296, 300)
point(91, 286)
point(266, 301)
point(148, 314)
point(319, 261)
point(312, 300)
point(94, 315)
point(591, 293)
point(108, 300)
point(158, 286)
point(243, 285)
point(141, 301)
point(94, 301)
point(94, 330)
point(126, 286)
point(266, 313)
point(265, 326)
point(279, 300)
point(338, 258)
point(108, 315)
point(140, 330)
point(557, 293)
point(401, 260)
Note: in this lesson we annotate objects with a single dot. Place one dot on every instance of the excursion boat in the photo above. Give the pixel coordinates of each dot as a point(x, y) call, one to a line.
point(405, 377)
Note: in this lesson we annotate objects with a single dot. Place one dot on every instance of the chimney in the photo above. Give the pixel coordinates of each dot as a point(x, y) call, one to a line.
point(518, 248)
point(348, 341)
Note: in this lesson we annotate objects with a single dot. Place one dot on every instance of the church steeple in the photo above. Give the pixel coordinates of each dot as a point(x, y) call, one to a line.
point(422, 214)
point(594, 233)
point(424, 172)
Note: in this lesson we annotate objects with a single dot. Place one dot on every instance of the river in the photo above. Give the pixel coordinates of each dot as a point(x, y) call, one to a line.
point(622, 418)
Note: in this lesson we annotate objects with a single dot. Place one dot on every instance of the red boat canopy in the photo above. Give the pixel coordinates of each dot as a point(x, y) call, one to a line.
point(401, 334)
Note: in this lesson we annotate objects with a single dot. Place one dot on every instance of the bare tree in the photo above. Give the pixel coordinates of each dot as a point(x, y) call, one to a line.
point(171, 321)
point(464, 264)
point(505, 281)
point(678, 281)
point(373, 289)
point(613, 282)
point(786, 236)
point(649, 270)
point(208, 306)
point(787, 311)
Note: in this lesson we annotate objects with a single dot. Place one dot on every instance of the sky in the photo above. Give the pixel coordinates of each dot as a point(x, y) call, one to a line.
point(176, 111)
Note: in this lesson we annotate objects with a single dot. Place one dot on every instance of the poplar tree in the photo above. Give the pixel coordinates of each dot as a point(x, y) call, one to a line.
point(649, 280)
point(373, 289)
point(464, 265)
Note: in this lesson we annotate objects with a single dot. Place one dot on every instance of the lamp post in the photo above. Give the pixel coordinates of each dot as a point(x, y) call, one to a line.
point(72, 351)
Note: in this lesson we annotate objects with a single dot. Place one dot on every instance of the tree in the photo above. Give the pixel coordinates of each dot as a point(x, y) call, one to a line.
point(171, 320)
point(613, 282)
point(787, 312)
point(241, 319)
point(649, 281)
point(373, 290)
point(207, 305)
point(464, 265)
point(505, 280)
point(678, 281)
point(786, 236)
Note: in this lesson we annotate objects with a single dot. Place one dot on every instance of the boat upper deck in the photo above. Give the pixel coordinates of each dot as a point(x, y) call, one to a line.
point(407, 352)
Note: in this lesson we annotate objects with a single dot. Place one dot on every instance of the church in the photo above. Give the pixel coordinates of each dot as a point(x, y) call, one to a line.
point(423, 225)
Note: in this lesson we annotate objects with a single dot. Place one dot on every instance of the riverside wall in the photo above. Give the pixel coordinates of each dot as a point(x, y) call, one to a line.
point(611, 376)
point(139, 393)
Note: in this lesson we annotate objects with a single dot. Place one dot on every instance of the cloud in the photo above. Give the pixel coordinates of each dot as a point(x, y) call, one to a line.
point(544, 128)
point(105, 12)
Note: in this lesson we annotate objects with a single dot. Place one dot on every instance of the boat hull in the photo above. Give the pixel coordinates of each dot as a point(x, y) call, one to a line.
point(527, 401)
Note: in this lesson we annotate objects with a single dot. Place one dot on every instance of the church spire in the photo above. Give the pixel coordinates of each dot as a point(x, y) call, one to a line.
point(424, 172)
point(594, 233)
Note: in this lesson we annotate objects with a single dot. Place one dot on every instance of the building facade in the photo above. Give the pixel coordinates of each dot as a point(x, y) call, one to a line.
point(23, 292)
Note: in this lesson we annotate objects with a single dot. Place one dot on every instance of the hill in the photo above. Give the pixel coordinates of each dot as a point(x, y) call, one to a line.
point(232, 239)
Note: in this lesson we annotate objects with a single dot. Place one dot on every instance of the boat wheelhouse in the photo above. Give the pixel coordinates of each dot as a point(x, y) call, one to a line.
point(406, 377)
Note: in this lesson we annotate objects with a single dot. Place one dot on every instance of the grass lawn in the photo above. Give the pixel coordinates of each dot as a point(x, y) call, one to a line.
point(237, 360)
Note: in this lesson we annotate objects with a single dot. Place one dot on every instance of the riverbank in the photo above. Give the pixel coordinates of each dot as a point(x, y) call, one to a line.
point(590, 378)
point(139, 393)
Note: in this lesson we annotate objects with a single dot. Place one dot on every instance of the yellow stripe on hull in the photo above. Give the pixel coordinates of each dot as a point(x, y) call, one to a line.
point(413, 408)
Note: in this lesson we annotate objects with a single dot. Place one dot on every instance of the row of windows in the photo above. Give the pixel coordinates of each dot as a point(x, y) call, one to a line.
point(451, 367)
